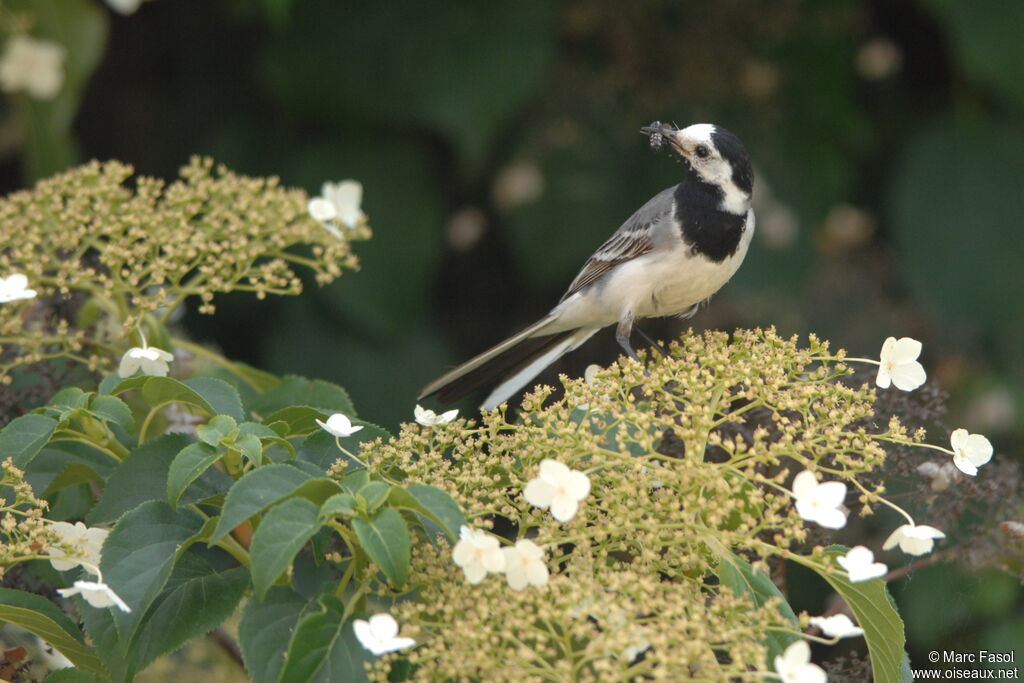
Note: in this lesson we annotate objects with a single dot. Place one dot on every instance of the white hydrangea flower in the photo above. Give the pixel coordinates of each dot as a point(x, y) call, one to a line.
point(347, 198)
point(339, 425)
point(941, 475)
point(150, 360)
point(970, 451)
point(837, 626)
point(87, 541)
point(899, 364)
point(559, 488)
point(96, 593)
point(33, 65)
point(860, 564)
point(379, 635)
point(321, 210)
point(821, 503)
point(15, 287)
point(428, 418)
point(913, 539)
point(478, 553)
point(794, 665)
point(524, 565)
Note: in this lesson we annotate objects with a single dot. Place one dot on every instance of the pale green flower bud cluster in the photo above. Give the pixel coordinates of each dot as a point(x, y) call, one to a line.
point(106, 256)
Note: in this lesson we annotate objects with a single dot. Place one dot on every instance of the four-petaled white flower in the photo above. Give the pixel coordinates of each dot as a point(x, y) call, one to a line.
point(860, 564)
point(96, 593)
point(794, 665)
point(339, 425)
point(524, 565)
point(559, 488)
point(35, 66)
point(913, 539)
point(15, 287)
point(821, 503)
point(477, 552)
point(150, 360)
point(88, 542)
point(942, 475)
point(970, 451)
point(837, 626)
point(428, 418)
point(338, 203)
point(379, 635)
point(899, 364)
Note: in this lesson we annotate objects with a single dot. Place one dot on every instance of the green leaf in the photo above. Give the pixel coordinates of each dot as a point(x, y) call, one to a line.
point(300, 419)
point(41, 617)
point(222, 396)
point(374, 493)
point(340, 504)
point(354, 481)
point(282, 532)
point(74, 676)
point(75, 473)
point(299, 391)
point(216, 429)
point(158, 391)
point(197, 598)
point(139, 553)
point(875, 612)
point(324, 647)
point(187, 466)
point(113, 409)
point(265, 629)
point(385, 538)
point(25, 436)
point(257, 490)
point(432, 503)
point(736, 573)
point(141, 477)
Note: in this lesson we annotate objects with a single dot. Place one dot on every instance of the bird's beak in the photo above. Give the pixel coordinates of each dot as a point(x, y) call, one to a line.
point(667, 133)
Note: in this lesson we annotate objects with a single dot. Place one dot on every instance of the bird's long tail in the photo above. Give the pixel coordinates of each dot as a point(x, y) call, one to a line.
point(510, 365)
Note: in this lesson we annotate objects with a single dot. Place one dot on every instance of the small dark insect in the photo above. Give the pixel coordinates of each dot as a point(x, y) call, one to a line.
point(656, 138)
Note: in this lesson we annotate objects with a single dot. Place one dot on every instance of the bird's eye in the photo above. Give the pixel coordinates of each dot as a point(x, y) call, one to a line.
point(703, 152)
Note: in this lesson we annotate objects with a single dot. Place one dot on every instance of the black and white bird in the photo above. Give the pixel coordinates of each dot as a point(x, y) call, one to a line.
point(666, 260)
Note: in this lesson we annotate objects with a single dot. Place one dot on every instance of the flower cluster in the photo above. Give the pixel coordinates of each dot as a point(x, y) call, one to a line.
point(86, 261)
point(629, 481)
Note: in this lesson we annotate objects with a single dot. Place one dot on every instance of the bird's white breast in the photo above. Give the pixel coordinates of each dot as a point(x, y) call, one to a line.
point(665, 281)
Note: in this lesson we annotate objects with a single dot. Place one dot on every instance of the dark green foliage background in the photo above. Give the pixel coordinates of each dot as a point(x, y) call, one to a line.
point(427, 102)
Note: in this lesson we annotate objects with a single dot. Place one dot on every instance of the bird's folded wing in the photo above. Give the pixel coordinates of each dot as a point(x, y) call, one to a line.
point(621, 247)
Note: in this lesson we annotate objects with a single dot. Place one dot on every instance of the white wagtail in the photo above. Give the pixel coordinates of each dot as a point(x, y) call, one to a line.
point(669, 257)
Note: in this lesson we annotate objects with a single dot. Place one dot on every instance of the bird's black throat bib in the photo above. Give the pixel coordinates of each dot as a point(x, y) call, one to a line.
point(709, 230)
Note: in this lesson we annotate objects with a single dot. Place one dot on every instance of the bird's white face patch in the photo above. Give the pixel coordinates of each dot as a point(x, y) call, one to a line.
point(712, 168)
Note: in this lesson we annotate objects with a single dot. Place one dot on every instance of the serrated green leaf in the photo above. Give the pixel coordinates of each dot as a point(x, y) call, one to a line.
point(282, 532)
point(385, 538)
point(74, 676)
point(158, 391)
point(195, 589)
point(355, 481)
point(113, 409)
point(265, 629)
point(73, 474)
point(222, 396)
point(339, 504)
point(141, 477)
point(374, 494)
point(216, 429)
point(41, 617)
point(324, 647)
point(251, 449)
point(187, 466)
point(25, 436)
point(299, 391)
point(257, 490)
point(438, 507)
point(300, 419)
point(875, 612)
point(317, 490)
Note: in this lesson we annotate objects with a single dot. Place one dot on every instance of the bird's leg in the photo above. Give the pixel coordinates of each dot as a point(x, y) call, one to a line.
point(652, 342)
point(622, 332)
